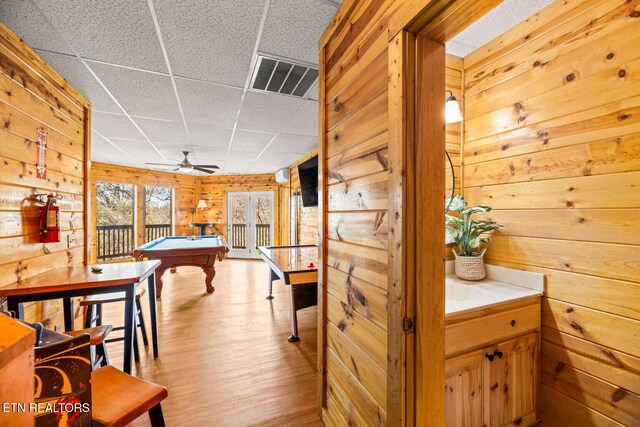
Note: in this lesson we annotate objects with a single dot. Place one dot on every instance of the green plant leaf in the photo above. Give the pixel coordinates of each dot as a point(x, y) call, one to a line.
point(457, 204)
point(476, 209)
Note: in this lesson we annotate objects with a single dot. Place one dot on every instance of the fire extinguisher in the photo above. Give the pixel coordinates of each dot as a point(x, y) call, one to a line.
point(50, 220)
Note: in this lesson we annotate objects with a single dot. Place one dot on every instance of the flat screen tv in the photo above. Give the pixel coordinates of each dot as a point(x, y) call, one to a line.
point(308, 172)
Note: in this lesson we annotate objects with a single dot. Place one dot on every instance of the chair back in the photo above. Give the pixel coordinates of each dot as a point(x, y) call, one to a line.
point(62, 388)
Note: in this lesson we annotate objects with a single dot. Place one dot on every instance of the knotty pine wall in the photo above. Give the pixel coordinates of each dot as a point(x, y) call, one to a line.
point(307, 224)
point(33, 96)
point(214, 189)
point(354, 87)
point(552, 142)
point(184, 187)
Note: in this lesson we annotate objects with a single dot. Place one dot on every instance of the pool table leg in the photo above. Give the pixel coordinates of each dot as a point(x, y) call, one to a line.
point(158, 274)
point(211, 273)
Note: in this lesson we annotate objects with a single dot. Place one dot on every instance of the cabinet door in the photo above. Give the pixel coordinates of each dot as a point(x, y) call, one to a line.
point(513, 376)
point(463, 390)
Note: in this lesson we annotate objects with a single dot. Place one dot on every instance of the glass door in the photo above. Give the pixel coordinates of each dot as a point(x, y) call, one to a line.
point(250, 223)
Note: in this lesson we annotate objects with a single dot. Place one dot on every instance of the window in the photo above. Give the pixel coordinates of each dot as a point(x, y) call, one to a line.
point(115, 206)
point(158, 212)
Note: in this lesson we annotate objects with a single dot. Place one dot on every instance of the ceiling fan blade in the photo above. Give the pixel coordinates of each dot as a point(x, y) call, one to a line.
point(160, 164)
point(203, 170)
point(207, 166)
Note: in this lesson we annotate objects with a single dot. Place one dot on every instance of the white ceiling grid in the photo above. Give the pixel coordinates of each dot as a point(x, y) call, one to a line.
point(165, 76)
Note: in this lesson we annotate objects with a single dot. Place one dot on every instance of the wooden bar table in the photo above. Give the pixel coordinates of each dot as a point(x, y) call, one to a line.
point(70, 282)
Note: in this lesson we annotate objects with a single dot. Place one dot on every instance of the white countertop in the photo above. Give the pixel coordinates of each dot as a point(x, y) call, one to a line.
point(462, 295)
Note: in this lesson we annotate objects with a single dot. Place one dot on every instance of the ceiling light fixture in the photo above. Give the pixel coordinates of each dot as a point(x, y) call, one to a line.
point(185, 168)
point(452, 109)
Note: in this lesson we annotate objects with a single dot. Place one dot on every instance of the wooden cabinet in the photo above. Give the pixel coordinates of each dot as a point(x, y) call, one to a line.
point(495, 386)
point(463, 389)
point(492, 366)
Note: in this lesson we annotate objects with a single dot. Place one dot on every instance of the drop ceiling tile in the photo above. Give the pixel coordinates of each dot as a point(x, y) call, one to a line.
point(103, 151)
point(26, 21)
point(308, 148)
point(209, 155)
point(232, 169)
point(245, 157)
point(173, 152)
point(208, 103)
point(115, 31)
point(313, 92)
point(140, 93)
point(278, 113)
point(209, 136)
point(288, 143)
point(293, 28)
point(210, 40)
point(139, 150)
point(73, 71)
point(264, 168)
point(163, 131)
point(247, 140)
point(282, 159)
point(114, 125)
point(505, 16)
point(458, 48)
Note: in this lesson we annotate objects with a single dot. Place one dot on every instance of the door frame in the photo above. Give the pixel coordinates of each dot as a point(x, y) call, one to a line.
point(250, 252)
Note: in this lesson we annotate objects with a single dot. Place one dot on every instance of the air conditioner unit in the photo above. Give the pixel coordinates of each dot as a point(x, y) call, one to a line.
point(282, 175)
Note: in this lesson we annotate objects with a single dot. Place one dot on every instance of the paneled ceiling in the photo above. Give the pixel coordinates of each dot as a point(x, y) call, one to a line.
point(165, 76)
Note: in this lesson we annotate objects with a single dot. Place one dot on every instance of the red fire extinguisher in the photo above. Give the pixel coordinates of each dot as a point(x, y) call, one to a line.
point(50, 220)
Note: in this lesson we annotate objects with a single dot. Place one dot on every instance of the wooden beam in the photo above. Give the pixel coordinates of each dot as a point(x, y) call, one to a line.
point(429, 231)
point(322, 246)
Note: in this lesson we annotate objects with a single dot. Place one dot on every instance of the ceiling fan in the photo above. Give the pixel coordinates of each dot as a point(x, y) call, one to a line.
point(186, 166)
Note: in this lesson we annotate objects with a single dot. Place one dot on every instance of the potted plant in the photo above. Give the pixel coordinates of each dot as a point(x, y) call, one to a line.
point(468, 235)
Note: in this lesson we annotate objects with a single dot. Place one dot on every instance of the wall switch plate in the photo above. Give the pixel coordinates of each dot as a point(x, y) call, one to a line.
point(58, 327)
point(71, 240)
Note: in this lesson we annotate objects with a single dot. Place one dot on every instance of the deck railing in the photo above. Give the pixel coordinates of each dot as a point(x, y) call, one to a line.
point(239, 235)
point(155, 231)
point(114, 241)
point(263, 234)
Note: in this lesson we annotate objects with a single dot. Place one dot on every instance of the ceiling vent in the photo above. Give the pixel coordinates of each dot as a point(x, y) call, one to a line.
point(283, 76)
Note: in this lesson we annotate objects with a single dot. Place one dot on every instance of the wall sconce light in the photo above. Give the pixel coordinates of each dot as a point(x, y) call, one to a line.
point(202, 204)
point(452, 109)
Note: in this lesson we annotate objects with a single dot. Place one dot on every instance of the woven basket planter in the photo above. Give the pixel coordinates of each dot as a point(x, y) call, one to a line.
point(470, 267)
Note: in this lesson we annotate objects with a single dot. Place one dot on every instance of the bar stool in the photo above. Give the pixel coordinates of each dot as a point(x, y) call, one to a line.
point(93, 316)
point(97, 340)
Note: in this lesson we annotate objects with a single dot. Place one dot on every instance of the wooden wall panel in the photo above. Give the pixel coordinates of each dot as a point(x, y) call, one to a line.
point(306, 226)
point(362, 186)
point(552, 142)
point(33, 96)
point(356, 228)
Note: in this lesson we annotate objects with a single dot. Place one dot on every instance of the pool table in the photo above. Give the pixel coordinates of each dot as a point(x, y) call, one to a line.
point(177, 251)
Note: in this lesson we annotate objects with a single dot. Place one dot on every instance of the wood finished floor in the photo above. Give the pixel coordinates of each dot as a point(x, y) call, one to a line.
point(224, 357)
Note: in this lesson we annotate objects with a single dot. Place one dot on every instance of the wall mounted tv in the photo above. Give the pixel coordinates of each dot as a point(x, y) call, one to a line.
point(308, 172)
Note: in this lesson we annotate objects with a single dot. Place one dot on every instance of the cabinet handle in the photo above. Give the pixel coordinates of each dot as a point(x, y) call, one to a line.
point(498, 353)
point(489, 356)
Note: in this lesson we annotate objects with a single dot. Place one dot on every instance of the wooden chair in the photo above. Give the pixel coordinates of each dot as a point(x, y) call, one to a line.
point(93, 316)
point(107, 396)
